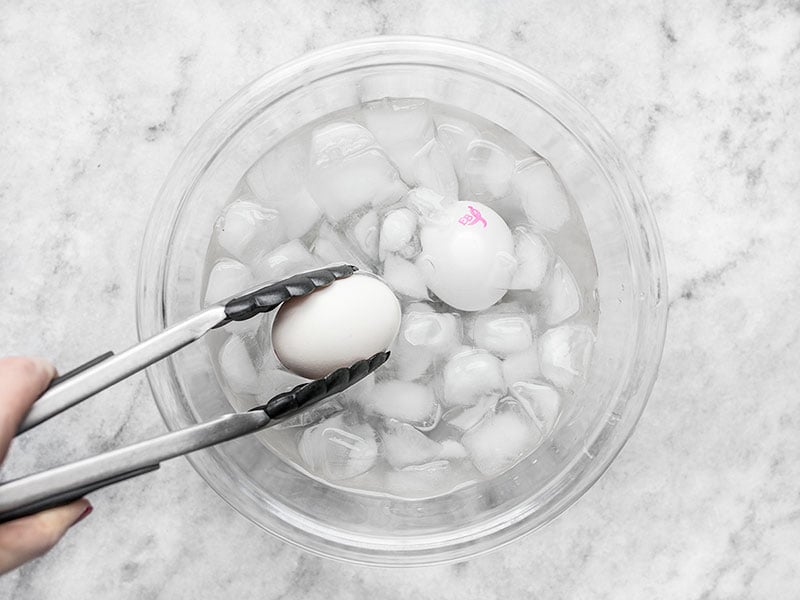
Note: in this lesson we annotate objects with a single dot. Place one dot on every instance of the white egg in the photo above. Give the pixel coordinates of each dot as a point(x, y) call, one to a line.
point(467, 256)
point(336, 326)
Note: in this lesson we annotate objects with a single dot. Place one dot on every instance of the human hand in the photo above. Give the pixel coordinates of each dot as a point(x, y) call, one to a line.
point(22, 381)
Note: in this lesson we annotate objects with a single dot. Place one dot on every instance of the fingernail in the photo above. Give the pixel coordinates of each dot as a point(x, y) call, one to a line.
point(86, 512)
point(44, 365)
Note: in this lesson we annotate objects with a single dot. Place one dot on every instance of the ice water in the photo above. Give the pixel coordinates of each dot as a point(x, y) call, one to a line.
point(465, 395)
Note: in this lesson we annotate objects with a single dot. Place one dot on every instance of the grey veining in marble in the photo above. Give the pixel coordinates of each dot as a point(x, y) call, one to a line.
point(98, 98)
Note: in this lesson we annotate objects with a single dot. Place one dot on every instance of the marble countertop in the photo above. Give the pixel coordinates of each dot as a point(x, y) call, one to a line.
point(96, 101)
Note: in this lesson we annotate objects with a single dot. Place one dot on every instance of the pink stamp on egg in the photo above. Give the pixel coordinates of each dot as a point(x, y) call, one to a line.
point(472, 217)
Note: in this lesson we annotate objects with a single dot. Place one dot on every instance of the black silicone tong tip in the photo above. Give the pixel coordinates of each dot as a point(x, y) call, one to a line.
point(286, 404)
point(270, 297)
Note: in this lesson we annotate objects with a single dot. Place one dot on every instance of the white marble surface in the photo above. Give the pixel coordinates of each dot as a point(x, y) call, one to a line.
point(96, 101)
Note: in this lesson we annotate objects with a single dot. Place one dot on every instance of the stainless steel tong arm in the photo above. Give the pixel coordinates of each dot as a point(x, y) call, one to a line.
point(33, 493)
point(106, 370)
point(117, 367)
point(63, 484)
point(69, 482)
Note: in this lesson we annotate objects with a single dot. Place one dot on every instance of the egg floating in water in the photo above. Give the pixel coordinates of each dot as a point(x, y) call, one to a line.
point(336, 326)
point(467, 256)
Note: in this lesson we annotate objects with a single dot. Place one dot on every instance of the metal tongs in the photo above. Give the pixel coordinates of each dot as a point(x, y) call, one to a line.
point(30, 494)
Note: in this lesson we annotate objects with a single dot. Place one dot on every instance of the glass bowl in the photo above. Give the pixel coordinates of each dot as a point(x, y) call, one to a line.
point(372, 529)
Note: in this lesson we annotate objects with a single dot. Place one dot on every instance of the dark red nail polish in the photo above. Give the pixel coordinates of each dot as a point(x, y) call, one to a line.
point(86, 512)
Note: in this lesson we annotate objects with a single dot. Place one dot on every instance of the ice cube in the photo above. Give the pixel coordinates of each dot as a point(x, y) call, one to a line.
point(299, 212)
point(247, 327)
point(534, 256)
point(502, 334)
point(359, 393)
point(452, 450)
point(521, 366)
point(227, 278)
point(341, 139)
point(501, 439)
point(403, 445)
point(237, 366)
point(420, 481)
point(278, 180)
point(437, 332)
point(364, 180)
point(264, 340)
point(347, 172)
point(411, 403)
point(564, 354)
point(422, 307)
point(338, 450)
point(366, 233)
point(541, 194)
point(280, 171)
point(408, 362)
point(401, 127)
point(328, 252)
point(456, 135)
point(427, 203)
point(285, 260)
point(274, 381)
point(433, 170)
point(394, 121)
point(563, 295)
point(465, 418)
point(312, 415)
point(404, 277)
point(501, 271)
point(398, 231)
point(332, 247)
point(471, 375)
point(488, 171)
point(542, 402)
point(412, 250)
point(246, 229)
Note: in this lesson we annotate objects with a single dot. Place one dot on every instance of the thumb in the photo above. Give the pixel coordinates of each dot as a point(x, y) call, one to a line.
point(29, 537)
